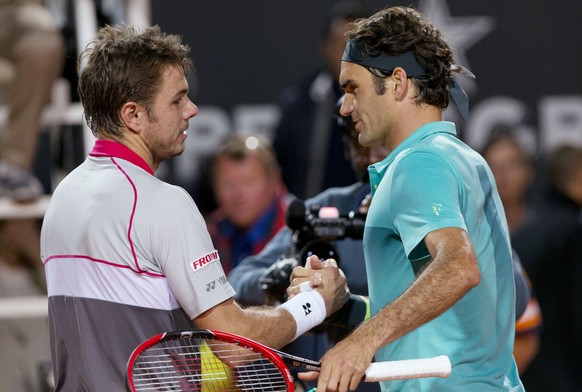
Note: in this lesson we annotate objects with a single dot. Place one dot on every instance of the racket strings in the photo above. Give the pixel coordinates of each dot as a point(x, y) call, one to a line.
point(197, 364)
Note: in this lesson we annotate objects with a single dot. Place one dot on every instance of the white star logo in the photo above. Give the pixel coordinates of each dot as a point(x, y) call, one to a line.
point(461, 32)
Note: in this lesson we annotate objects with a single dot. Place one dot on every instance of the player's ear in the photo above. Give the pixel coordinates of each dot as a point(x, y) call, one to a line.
point(131, 115)
point(400, 86)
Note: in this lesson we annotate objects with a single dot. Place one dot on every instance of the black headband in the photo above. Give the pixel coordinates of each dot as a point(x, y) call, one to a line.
point(356, 53)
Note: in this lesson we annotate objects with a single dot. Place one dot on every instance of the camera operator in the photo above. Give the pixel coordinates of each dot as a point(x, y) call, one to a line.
point(313, 231)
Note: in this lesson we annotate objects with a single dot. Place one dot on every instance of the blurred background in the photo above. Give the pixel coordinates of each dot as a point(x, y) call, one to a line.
point(525, 54)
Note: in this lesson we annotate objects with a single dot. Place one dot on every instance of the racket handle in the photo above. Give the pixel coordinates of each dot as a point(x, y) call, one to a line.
point(409, 368)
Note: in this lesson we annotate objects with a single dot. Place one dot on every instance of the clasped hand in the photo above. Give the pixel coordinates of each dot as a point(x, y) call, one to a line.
point(323, 276)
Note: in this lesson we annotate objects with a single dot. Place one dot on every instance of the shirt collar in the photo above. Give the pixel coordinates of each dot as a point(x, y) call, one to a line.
point(110, 148)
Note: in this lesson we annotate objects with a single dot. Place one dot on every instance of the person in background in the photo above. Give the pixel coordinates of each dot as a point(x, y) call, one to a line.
point(436, 242)
point(514, 173)
point(551, 251)
point(251, 198)
point(128, 256)
point(307, 139)
point(564, 170)
point(32, 53)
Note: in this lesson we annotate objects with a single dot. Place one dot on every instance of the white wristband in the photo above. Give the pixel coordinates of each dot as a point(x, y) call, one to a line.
point(308, 310)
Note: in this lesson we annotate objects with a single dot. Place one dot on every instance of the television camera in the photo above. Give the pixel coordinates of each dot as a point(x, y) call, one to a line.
point(313, 229)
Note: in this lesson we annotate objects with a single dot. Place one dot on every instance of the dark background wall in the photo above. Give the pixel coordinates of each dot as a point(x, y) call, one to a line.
point(527, 55)
point(247, 51)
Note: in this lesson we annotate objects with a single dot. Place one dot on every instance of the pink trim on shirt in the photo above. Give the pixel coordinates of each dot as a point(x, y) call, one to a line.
point(109, 263)
point(110, 148)
point(113, 149)
point(132, 214)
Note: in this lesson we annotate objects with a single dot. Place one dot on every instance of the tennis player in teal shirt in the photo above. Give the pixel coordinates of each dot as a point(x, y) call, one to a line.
point(429, 182)
point(436, 242)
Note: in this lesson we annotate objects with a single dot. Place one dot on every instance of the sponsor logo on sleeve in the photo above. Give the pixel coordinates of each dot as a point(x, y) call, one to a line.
point(212, 285)
point(205, 260)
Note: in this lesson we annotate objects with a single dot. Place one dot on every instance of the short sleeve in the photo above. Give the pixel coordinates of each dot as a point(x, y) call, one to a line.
point(428, 199)
point(186, 255)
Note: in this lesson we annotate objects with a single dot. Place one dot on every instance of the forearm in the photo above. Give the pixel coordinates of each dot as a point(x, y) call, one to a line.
point(278, 326)
point(271, 326)
point(274, 327)
point(444, 282)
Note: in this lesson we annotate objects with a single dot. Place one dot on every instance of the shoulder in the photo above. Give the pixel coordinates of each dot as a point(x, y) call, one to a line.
point(167, 199)
point(416, 161)
point(172, 193)
point(419, 176)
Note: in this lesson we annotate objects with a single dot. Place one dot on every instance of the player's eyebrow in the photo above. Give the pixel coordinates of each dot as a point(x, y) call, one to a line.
point(347, 84)
point(181, 93)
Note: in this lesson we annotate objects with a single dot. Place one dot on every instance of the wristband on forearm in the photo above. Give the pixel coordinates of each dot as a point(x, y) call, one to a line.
point(307, 309)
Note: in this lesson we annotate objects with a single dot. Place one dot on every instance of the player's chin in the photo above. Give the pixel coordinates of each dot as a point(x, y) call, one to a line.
point(178, 150)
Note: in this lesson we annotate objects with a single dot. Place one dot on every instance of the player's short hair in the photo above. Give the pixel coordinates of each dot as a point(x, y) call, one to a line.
point(123, 64)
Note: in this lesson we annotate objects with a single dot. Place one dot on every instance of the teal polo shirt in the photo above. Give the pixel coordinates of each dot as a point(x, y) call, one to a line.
point(432, 181)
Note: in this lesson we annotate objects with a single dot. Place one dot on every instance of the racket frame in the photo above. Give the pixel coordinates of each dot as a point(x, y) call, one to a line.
point(275, 357)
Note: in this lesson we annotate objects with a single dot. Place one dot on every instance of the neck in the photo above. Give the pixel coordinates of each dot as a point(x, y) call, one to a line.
point(137, 145)
point(412, 118)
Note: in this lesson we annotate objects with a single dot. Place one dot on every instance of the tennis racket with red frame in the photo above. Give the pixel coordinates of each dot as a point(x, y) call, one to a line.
point(208, 361)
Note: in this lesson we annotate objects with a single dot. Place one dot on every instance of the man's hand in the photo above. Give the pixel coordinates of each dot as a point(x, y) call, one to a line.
point(326, 278)
point(343, 366)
